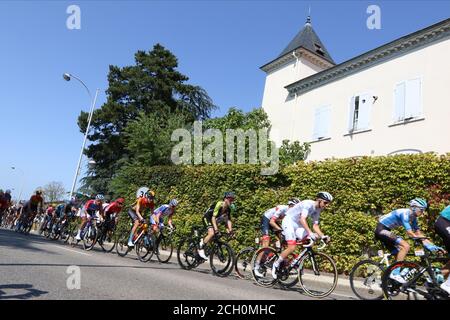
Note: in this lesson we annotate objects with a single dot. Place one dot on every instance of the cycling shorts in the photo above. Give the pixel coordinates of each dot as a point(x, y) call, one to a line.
point(133, 215)
point(388, 238)
point(442, 228)
point(292, 231)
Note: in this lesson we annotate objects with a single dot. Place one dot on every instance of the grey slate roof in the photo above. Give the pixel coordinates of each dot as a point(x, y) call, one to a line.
point(308, 39)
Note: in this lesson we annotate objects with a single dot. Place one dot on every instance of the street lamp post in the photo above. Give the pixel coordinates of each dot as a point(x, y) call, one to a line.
point(67, 77)
point(23, 182)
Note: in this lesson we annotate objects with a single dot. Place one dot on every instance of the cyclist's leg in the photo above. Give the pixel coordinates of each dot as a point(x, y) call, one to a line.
point(135, 219)
point(208, 225)
point(289, 231)
point(265, 240)
point(84, 220)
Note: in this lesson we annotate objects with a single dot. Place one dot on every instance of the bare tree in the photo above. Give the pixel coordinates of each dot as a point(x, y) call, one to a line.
point(54, 191)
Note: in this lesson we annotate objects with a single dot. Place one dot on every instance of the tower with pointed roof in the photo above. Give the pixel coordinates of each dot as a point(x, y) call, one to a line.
point(304, 56)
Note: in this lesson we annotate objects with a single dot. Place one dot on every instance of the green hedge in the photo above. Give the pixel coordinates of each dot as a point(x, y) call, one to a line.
point(364, 188)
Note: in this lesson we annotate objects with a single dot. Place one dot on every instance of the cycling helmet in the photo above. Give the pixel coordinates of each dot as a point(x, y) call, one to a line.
point(229, 194)
point(8, 191)
point(150, 194)
point(120, 200)
point(141, 192)
point(325, 196)
point(99, 197)
point(173, 203)
point(419, 203)
point(293, 201)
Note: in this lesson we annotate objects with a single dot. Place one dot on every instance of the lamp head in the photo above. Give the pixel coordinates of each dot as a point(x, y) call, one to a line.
point(66, 76)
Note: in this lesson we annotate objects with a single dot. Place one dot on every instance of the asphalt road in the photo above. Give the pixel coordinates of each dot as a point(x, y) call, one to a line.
point(32, 267)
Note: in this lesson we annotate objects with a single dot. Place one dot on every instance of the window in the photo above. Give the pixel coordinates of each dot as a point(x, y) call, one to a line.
point(359, 112)
point(408, 100)
point(319, 49)
point(322, 117)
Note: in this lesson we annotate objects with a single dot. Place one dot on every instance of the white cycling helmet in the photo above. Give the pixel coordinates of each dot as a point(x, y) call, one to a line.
point(99, 197)
point(173, 202)
point(325, 196)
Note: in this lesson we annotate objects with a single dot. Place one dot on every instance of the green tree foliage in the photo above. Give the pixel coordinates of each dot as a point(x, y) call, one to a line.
point(364, 188)
point(149, 140)
point(151, 86)
point(290, 153)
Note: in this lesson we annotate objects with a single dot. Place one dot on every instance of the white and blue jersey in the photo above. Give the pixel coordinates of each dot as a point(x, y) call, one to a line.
point(163, 211)
point(399, 218)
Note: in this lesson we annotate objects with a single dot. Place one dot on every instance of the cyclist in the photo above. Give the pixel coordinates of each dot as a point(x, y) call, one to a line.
point(406, 218)
point(88, 211)
point(145, 200)
point(295, 225)
point(269, 223)
point(442, 228)
point(49, 216)
point(112, 211)
point(166, 210)
point(217, 213)
point(31, 207)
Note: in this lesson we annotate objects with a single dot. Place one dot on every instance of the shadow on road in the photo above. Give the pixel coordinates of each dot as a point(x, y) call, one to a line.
point(15, 240)
point(19, 291)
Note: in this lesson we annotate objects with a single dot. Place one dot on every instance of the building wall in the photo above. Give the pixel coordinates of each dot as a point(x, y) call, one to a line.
point(275, 97)
point(294, 119)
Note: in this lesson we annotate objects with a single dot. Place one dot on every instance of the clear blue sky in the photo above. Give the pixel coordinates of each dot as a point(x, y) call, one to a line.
point(220, 45)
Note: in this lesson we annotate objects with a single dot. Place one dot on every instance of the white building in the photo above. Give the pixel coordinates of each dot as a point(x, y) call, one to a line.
point(392, 99)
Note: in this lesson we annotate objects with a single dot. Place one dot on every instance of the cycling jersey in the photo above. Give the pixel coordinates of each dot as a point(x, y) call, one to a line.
point(163, 211)
point(446, 213)
point(90, 207)
point(112, 208)
point(305, 208)
point(35, 200)
point(276, 213)
point(216, 210)
point(400, 217)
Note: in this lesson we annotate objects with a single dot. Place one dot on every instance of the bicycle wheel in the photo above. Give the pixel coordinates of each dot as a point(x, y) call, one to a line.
point(317, 274)
point(221, 259)
point(187, 254)
point(263, 261)
point(107, 241)
point(90, 238)
point(243, 263)
point(417, 282)
point(121, 244)
point(365, 280)
point(145, 247)
point(164, 249)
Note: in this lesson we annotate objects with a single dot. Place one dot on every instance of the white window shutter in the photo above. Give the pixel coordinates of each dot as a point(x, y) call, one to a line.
point(365, 107)
point(413, 101)
point(317, 123)
point(325, 121)
point(399, 102)
point(351, 114)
